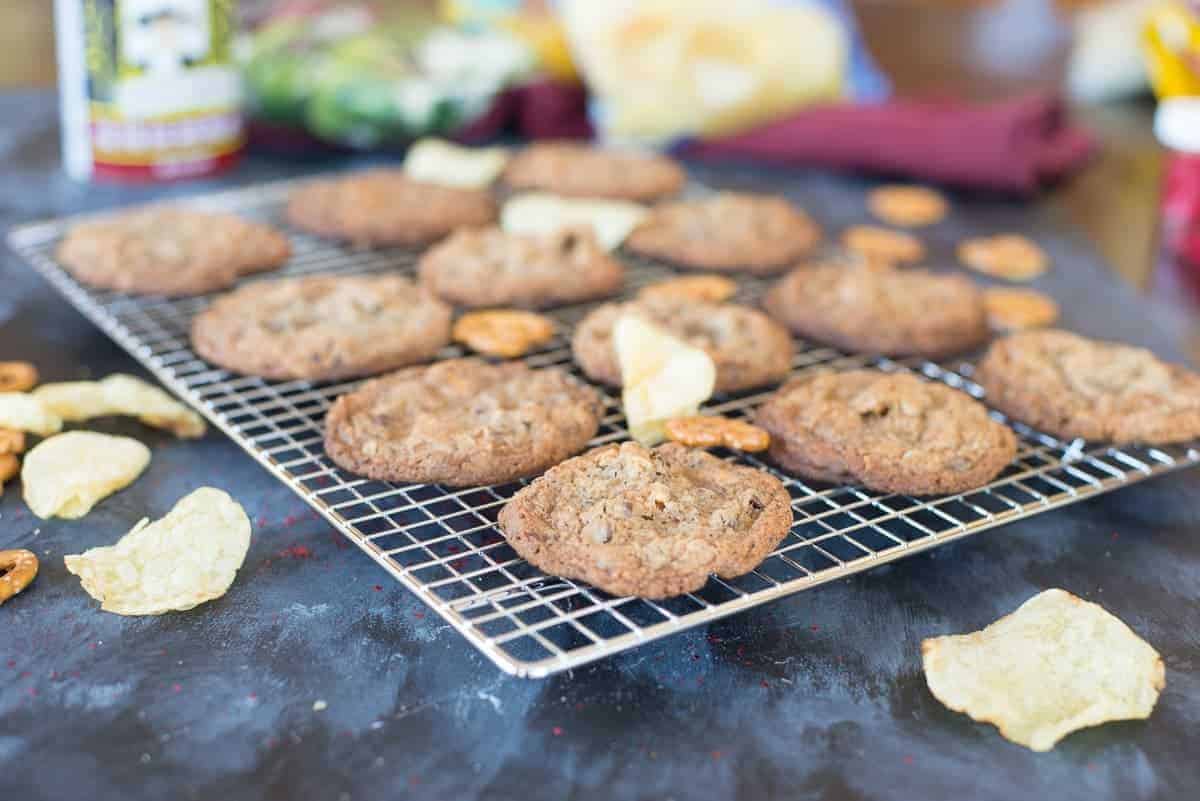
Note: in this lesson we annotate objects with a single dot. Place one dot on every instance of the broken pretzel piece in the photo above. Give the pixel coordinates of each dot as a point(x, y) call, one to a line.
point(504, 333)
point(706, 288)
point(703, 431)
point(11, 441)
point(17, 376)
point(17, 569)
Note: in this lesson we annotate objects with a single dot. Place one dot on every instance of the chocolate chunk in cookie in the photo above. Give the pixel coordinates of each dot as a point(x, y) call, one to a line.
point(481, 267)
point(170, 250)
point(384, 207)
point(891, 432)
point(565, 168)
point(881, 309)
point(322, 327)
point(652, 523)
point(727, 232)
point(747, 347)
point(1071, 386)
point(462, 422)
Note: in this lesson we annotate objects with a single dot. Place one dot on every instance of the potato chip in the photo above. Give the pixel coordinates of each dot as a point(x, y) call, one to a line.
point(23, 412)
point(67, 474)
point(119, 394)
point(436, 161)
point(663, 377)
point(179, 562)
point(1056, 665)
point(540, 213)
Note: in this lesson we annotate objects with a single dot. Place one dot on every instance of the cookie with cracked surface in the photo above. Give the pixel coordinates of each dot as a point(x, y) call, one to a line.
point(482, 267)
point(576, 170)
point(727, 232)
point(881, 309)
point(170, 250)
point(322, 327)
point(747, 347)
point(462, 422)
point(652, 523)
point(891, 432)
point(383, 207)
point(1071, 386)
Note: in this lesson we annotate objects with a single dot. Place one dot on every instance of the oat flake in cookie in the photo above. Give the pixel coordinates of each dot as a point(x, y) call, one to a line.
point(1071, 386)
point(575, 170)
point(727, 232)
point(652, 523)
point(382, 207)
point(748, 348)
point(462, 422)
point(482, 267)
point(881, 309)
point(169, 250)
point(322, 327)
point(891, 432)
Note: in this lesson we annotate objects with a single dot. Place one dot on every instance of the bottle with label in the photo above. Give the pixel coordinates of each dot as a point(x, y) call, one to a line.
point(149, 90)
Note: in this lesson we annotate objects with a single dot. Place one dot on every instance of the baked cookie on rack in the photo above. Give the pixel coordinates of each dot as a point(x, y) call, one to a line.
point(651, 523)
point(732, 232)
point(322, 327)
point(1071, 386)
point(747, 347)
point(483, 267)
point(873, 308)
point(577, 170)
point(462, 422)
point(383, 207)
point(170, 250)
point(891, 432)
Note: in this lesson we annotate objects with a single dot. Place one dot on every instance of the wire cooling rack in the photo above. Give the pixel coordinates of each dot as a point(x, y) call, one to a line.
point(443, 544)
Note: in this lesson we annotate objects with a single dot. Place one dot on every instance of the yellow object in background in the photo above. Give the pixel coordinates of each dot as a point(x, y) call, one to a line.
point(665, 69)
point(1172, 40)
point(532, 23)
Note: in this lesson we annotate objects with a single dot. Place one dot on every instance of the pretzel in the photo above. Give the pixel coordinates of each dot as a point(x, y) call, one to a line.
point(17, 569)
point(702, 431)
point(17, 376)
point(11, 441)
point(503, 332)
point(709, 288)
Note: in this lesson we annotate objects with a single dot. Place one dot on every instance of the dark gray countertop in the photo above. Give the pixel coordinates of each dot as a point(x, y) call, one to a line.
point(819, 695)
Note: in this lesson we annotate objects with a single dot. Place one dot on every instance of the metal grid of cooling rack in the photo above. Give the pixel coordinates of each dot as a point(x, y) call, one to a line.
point(442, 543)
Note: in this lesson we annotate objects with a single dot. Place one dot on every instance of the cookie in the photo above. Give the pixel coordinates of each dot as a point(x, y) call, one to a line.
point(748, 348)
point(1071, 386)
point(907, 206)
point(579, 170)
point(382, 207)
point(462, 422)
point(652, 523)
point(881, 309)
point(883, 245)
point(482, 267)
point(322, 327)
point(727, 232)
point(1018, 309)
point(890, 432)
point(1009, 256)
point(170, 250)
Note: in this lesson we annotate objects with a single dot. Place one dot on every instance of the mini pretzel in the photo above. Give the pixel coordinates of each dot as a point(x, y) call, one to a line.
point(17, 569)
point(1009, 256)
point(17, 376)
point(882, 244)
point(1012, 309)
point(11, 441)
point(907, 206)
point(504, 333)
point(702, 431)
point(710, 288)
point(9, 467)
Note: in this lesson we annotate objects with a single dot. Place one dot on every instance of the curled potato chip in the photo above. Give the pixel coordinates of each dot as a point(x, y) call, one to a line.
point(540, 213)
point(67, 474)
point(188, 557)
point(120, 395)
point(20, 411)
point(1055, 665)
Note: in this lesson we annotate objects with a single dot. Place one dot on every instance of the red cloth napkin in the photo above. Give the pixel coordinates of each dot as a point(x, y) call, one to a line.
point(1017, 145)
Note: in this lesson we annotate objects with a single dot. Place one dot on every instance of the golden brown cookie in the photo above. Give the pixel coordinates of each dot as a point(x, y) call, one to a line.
point(907, 206)
point(1018, 309)
point(382, 207)
point(1071, 386)
point(577, 170)
point(170, 250)
point(652, 523)
point(891, 432)
point(883, 245)
point(1009, 256)
point(729, 232)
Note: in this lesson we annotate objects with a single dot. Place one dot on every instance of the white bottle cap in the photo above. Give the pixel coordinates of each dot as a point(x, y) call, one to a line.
point(1177, 123)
